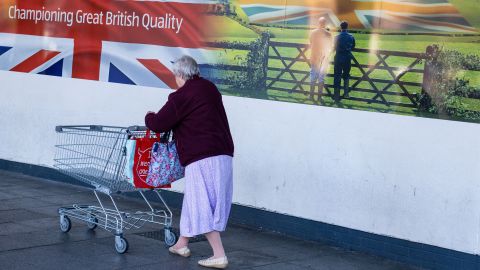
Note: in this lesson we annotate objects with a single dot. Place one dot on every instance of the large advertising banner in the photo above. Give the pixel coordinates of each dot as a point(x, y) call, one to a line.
point(410, 57)
point(113, 41)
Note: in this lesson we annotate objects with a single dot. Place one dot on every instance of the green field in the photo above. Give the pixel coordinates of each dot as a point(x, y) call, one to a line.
point(231, 30)
point(410, 43)
point(236, 32)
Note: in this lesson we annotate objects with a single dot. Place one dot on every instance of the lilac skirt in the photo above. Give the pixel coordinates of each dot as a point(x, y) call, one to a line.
point(208, 196)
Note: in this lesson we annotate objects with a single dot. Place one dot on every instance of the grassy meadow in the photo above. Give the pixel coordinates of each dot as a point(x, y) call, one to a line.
point(236, 32)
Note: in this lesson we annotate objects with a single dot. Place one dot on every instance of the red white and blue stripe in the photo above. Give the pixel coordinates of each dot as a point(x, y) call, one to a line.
point(404, 15)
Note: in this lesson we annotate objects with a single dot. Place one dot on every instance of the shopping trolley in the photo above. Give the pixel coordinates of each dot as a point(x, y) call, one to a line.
point(96, 155)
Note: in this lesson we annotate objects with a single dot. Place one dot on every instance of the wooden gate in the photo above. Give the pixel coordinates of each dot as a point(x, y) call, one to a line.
point(390, 78)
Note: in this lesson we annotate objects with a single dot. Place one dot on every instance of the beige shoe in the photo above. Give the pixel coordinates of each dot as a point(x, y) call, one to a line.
point(219, 263)
point(184, 252)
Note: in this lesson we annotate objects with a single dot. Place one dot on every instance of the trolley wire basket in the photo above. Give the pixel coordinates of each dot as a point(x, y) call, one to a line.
point(95, 155)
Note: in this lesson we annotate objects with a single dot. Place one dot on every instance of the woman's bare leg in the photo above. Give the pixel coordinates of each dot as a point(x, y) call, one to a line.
point(216, 243)
point(182, 242)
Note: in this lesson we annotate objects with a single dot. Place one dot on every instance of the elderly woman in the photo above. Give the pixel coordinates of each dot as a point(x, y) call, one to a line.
point(197, 117)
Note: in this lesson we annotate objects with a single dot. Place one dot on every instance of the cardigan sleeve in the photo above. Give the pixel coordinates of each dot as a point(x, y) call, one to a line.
point(164, 120)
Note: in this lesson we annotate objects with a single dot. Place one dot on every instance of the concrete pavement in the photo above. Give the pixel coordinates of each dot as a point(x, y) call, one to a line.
point(30, 238)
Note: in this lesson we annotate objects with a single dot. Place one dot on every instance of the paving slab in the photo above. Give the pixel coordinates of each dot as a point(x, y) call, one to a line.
point(30, 238)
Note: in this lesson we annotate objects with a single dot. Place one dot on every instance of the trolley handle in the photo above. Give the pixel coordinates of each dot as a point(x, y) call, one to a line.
point(85, 127)
point(163, 137)
point(137, 128)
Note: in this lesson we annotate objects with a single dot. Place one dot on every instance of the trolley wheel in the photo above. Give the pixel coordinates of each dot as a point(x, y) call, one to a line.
point(92, 223)
point(170, 237)
point(65, 223)
point(121, 244)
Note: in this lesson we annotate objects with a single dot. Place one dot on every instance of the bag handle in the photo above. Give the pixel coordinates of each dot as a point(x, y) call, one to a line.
point(165, 138)
point(148, 134)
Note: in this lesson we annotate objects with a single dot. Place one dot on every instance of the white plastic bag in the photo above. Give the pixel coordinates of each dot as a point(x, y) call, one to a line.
point(130, 157)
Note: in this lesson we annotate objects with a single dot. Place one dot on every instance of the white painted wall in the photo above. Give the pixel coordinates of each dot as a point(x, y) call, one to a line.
point(406, 177)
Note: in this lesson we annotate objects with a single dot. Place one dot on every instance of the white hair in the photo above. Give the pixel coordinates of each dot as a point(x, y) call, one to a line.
point(185, 67)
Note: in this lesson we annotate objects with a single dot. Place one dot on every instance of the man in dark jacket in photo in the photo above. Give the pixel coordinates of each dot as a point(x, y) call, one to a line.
point(344, 44)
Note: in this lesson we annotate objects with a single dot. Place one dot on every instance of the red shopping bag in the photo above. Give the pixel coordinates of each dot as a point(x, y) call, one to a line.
point(143, 150)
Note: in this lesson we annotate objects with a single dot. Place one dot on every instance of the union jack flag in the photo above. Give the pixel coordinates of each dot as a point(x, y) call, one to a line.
point(34, 54)
point(150, 65)
point(132, 55)
point(406, 15)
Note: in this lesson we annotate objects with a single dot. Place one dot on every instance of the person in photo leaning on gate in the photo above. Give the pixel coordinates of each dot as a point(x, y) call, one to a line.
point(344, 44)
point(321, 43)
point(196, 114)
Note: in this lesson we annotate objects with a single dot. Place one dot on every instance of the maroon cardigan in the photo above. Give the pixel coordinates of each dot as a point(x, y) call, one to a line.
point(197, 117)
